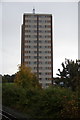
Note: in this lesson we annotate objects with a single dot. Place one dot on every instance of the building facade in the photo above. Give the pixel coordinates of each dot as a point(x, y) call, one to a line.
point(37, 46)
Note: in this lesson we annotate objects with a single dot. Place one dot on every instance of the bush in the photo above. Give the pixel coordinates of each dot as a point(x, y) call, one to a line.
point(11, 94)
point(52, 102)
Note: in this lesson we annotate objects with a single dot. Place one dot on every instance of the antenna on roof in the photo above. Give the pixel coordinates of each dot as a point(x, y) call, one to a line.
point(33, 10)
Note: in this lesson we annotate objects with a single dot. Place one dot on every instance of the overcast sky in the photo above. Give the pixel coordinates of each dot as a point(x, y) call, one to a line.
point(65, 31)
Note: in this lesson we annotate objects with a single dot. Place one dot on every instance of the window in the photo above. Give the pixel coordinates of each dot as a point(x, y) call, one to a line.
point(27, 47)
point(30, 16)
point(35, 51)
point(35, 57)
point(40, 41)
point(49, 78)
point(40, 26)
point(41, 16)
point(46, 41)
point(34, 26)
point(49, 26)
point(40, 57)
point(49, 57)
point(28, 36)
point(40, 73)
point(47, 31)
point(48, 21)
point(35, 46)
point(49, 51)
point(35, 31)
point(40, 36)
point(46, 62)
point(40, 31)
point(25, 44)
point(35, 21)
point(31, 26)
point(46, 51)
point(40, 51)
point(48, 68)
point(28, 41)
point(35, 41)
point(27, 51)
point(47, 84)
point(40, 46)
point(49, 41)
point(27, 25)
point(40, 20)
point(34, 36)
point(47, 36)
point(27, 31)
point(46, 57)
point(48, 73)
point(40, 68)
point(25, 59)
point(40, 62)
point(49, 46)
point(49, 62)
point(28, 21)
point(45, 73)
point(33, 16)
point(27, 56)
point(35, 68)
point(27, 62)
point(45, 26)
point(35, 62)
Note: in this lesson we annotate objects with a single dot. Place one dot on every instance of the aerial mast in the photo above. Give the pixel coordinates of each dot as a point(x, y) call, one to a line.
point(33, 10)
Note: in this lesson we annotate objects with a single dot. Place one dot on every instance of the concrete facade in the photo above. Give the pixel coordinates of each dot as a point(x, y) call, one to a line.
point(37, 46)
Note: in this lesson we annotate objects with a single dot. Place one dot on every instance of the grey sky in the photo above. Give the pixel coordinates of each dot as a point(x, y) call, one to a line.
point(65, 30)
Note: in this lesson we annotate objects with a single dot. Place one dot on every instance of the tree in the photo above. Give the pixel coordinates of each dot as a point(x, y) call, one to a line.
point(70, 74)
point(25, 78)
point(52, 102)
point(8, 78)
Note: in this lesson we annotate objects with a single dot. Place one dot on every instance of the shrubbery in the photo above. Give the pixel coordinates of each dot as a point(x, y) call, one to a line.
point(52, 102)
point(27, 96)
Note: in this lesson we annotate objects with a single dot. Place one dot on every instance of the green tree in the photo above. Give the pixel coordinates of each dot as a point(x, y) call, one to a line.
point(8, 78)
point(70, 74)
point(26, 79)
point(52, 103)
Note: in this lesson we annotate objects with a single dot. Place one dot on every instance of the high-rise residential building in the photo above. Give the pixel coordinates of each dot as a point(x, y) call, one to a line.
point(37, 46)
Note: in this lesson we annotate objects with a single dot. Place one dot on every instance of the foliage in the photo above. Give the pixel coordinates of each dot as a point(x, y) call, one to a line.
point(10, 94)
point(56, 102)
point(8, 78)
point(26, 78)
point(52, 102)
point(70, 74)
